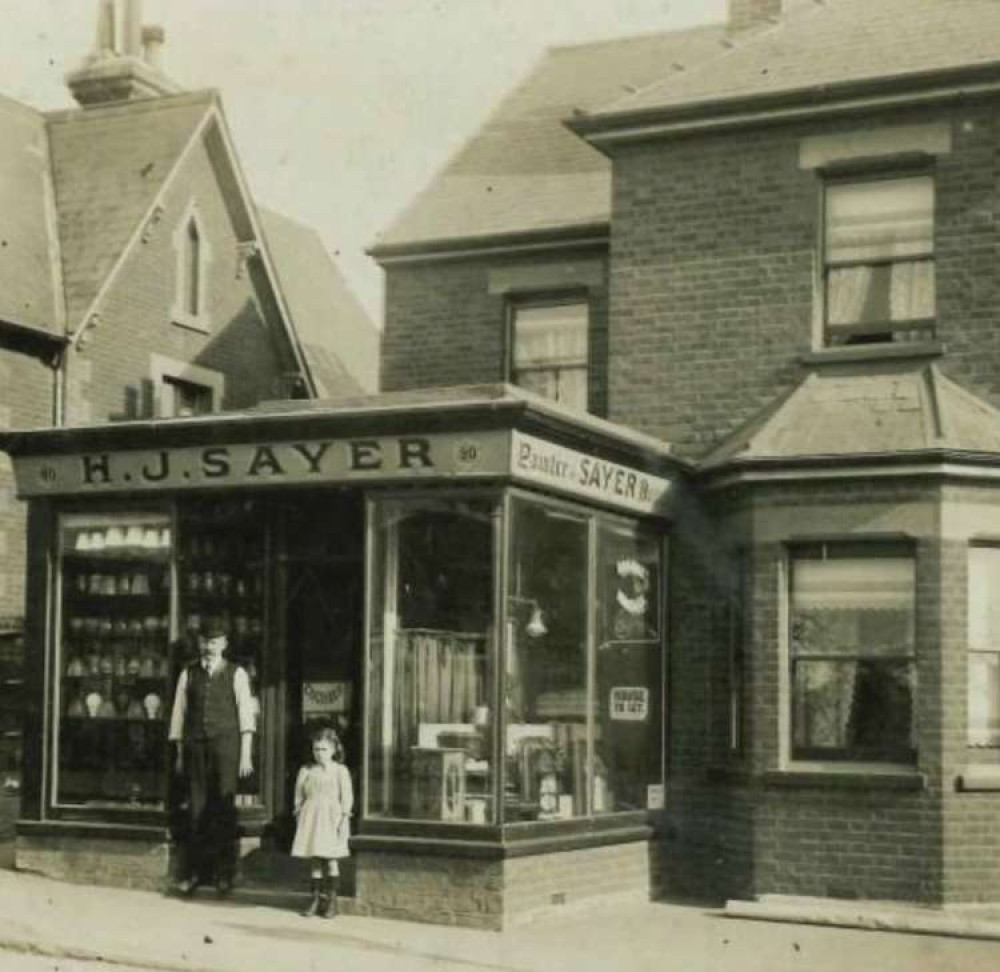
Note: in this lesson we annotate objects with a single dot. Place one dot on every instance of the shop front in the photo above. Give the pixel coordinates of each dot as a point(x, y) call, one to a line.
point(470, 586)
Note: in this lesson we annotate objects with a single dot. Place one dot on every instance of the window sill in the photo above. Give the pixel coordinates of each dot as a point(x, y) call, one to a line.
point(854, 779)
point(86, 828)
point(874, 352)
point(979, 779)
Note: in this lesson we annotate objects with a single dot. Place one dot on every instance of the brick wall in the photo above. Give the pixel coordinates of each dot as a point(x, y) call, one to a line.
point(444, 327)
point(110, 376)
point(714, 241)
point(500, 893)
point(25, 402)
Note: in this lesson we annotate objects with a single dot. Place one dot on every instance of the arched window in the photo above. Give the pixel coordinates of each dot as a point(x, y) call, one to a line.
point(192, 269)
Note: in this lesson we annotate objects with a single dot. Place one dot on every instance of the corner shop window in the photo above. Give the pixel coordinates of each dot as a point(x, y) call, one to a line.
point(984, 647)
point(853, 663)
point(430, 726)
point(545, 676)
point(113, 660)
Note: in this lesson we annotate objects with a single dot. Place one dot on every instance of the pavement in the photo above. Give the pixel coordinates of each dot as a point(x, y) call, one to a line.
point(111, 928)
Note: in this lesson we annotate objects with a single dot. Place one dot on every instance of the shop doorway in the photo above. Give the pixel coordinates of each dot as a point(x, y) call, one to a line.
point(320, 587)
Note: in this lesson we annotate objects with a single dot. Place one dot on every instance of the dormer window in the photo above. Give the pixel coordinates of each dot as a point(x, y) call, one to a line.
point(878, 260)
point(193, 255)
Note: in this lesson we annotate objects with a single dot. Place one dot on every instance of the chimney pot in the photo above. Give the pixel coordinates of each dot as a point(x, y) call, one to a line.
point(153, 36)
point(750, 13)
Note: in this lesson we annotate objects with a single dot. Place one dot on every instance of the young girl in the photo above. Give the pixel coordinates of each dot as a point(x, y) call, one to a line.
point(324, 799)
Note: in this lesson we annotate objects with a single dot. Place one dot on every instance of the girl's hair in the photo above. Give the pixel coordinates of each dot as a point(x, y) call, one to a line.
point(326, 734)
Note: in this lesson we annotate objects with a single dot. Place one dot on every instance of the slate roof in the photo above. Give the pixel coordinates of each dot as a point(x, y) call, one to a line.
point(865, 410)
point(108, 164)
point(339, 340)
point(29, 294)
point(819, 44)
point(523, 170)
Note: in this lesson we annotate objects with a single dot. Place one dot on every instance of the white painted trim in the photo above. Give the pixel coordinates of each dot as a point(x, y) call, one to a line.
point(140, 228)
point(503, 249)
point(179, 314)
point(849, 471)
point(162, 367)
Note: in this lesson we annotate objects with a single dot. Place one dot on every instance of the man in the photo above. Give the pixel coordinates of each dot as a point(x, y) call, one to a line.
point(212, 726)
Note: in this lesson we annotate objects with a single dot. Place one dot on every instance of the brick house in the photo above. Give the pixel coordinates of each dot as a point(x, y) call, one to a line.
point(770, 243)
point(138, 278)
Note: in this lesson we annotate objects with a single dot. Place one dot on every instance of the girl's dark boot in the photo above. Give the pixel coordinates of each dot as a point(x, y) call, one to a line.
point(330, 911)
point(316, 904)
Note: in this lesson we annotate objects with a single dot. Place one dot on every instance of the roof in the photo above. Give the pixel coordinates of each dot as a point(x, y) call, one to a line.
point(523, 170)
point(106, 177)
point(339, 340)
point(29, 295)
point(865, 409)
point(824, 44)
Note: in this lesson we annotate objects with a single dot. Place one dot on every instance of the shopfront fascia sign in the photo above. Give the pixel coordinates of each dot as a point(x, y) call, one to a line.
point(542, 463)
point(271, 464)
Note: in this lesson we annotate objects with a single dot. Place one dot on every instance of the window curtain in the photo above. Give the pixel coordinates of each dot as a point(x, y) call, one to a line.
point(440, 677)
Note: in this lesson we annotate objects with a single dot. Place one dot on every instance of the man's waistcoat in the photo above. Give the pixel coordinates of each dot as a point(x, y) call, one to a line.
point(211, 703)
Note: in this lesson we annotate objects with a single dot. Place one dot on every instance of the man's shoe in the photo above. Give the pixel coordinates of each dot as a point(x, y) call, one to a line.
point(188, 886)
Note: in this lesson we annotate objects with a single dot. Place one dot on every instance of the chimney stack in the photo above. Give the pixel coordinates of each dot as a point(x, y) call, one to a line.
point(125, 66)
point(750, 13)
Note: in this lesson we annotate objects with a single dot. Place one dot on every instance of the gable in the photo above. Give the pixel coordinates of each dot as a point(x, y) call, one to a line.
point(108, 166)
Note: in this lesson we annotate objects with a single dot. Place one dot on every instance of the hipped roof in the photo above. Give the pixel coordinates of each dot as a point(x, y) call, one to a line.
point(864, 410)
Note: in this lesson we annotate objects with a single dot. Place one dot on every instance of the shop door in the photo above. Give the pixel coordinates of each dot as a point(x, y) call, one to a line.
point(323, 587)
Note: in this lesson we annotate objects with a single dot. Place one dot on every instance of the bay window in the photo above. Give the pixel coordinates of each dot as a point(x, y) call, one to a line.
point(852, 652)
point(984, 647)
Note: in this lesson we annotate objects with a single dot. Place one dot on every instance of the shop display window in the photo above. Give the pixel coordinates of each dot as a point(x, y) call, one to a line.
point(113, 662)
point(628, 670)
point(853, 659)
point(545, 675)
point(984, 648)
point(221, 575)
point(429, 725)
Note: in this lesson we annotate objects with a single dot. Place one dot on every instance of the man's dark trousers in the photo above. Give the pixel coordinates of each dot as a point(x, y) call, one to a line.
point(212, 755)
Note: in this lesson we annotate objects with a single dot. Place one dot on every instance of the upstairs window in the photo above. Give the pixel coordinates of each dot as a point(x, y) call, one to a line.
point(192, 269)
point(185, 398)
point(879, 260)
point(549, 349)
point(853, 652)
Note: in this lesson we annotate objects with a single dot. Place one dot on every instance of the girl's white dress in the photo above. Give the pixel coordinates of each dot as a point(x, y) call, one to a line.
point(324, 799)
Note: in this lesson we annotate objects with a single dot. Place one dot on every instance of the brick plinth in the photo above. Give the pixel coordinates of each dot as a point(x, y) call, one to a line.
point(500, 893)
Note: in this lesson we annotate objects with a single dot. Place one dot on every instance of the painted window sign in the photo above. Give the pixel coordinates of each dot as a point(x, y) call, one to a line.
point(325, 698)
point(629, 703)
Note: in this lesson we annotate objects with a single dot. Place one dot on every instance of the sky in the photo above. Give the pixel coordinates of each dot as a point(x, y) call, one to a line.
point(341, 110)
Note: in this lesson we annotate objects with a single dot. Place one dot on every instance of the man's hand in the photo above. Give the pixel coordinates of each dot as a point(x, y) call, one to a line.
point(246, 754)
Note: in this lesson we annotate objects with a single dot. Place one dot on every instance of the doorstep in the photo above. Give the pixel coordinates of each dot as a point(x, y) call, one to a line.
point(956, 922)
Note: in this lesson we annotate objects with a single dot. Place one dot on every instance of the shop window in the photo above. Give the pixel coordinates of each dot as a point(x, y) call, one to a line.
point(430, 715)
point(221, 575)
point(878, 260)
point(629, 670)
point(852, 652)
point(546, 685)
point(549, 356)
point(113, 660)
point(984, 647)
